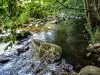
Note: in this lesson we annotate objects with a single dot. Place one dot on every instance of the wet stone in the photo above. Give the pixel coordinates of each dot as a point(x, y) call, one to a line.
point(94, 53)
point(90, 70)
point(46, 51)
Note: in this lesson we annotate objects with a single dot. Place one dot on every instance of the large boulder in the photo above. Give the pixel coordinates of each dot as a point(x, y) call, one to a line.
point(49, 52)
point(35, 44)
point(46, 51)
point(90, 70)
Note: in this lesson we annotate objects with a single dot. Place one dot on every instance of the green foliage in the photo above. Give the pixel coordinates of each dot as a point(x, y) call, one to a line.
point(22, 33)
point(94, 34)
point(3, 6)
point(40, 9)
point(97, 34)
point(71, 4)
point(14, 12)
point(91, 33)
point(23, 18)
point(37, 13)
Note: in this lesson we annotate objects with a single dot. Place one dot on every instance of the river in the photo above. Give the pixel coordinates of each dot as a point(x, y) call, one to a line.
point(70, 35)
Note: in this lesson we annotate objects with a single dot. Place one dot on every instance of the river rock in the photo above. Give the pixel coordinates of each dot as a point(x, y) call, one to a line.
point(46, 51)
point(94, 48)
point(90, 70)
point(93, 52)
point(4, 59)
point(20, 34)
point(54, 22)
point(61, 68)
point(17, 48)
point(49, 52)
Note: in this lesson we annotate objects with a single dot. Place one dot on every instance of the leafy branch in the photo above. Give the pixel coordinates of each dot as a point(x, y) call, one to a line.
point(73, 7)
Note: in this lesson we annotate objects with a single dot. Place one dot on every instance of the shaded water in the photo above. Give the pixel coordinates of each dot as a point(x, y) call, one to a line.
point(70, 35)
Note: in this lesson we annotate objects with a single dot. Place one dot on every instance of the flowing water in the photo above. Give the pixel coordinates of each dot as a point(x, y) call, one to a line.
point(69, 35)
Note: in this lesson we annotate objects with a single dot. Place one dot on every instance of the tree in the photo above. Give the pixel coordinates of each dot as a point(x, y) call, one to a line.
point(92, 12)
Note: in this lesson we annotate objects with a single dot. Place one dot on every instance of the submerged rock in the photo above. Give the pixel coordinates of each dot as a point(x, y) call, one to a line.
point(90, 70)
point(4, 59)
point(46, 51)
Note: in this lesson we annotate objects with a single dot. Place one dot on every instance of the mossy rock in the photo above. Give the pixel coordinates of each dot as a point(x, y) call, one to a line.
point(35, 45)
point(46, 51)
point(49, 52)
point(90, 70)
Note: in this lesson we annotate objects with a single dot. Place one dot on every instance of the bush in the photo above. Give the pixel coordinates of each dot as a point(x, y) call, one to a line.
point(23, 18)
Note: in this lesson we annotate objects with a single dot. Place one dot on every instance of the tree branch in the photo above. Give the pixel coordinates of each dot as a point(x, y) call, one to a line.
point(73, 7)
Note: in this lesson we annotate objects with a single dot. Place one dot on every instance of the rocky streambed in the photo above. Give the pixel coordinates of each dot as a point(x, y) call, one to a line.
point(20, 60)
point(34, 54)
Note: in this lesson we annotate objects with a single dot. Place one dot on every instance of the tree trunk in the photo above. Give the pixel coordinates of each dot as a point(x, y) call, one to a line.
point(92, 12)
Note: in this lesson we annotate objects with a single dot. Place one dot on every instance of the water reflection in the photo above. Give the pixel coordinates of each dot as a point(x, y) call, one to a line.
point(70, 37)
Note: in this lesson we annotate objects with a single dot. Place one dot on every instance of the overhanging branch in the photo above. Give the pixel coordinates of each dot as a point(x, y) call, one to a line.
point(73, 7)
